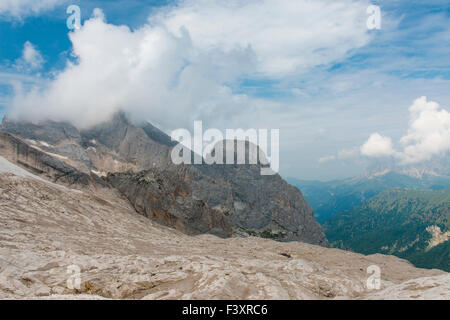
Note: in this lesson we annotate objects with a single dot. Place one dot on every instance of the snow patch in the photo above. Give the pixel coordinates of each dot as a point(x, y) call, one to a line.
point(45, 144)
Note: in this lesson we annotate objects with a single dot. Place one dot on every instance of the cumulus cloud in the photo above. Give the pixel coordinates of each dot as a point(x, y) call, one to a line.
point(377, 146)
point(428, 135)
point(23, 8)
point(179, 66)
point(429, 131)
point(150, 73)
point(31, 59)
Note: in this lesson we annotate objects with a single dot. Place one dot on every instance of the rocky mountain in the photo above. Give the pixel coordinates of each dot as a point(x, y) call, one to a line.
point(58, 242)
point(411, 224)
point(435, 167)
point(166, 197)
point(224, 200)
point(112, 146)
point(43, 163)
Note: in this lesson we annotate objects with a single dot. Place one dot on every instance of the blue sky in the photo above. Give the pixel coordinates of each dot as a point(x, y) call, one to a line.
point(322, 106)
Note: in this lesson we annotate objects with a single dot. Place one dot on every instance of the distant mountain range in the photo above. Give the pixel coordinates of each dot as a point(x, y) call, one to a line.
point(403, 211)
point(411, 224)
point(330, 198)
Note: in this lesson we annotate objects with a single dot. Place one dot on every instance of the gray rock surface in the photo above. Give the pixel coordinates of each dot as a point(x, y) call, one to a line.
point(42, 164)
point(51, 132)
point(135, 148)
point(234, 195)
point(52, 236)
point(165, 197)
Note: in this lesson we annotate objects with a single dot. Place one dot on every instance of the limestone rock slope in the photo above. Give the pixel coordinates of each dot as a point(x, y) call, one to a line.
point(238, 200)
point(60, 243)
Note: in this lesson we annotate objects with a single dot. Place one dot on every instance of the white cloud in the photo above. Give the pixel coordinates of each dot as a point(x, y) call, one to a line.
point(347, 153)
point(341, 155)
point(22, 8)
point(327, 158)
point(429, 131)
point(428, 135)
point(31, 59)
point(287, 36)
point(183, 60)
point(377, 146)
point(149, 72)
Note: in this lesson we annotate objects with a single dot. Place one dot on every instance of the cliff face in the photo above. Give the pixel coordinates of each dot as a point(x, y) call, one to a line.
point(43, 164)
point(113, 146)
point(165, 197)
point(264, 206)
point(220, 199)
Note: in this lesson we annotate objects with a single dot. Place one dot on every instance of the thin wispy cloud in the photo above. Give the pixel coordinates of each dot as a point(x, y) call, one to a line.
point(20, 9)
point(31, 59)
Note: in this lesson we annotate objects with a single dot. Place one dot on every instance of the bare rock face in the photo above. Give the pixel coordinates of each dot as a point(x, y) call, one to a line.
point(51, 132)
point(59, 243)
point(166, 198)
point(43, 164)
point(424, 288)
point(263, 206)
point(237, 199)
point(112, 146)
point(129, 147)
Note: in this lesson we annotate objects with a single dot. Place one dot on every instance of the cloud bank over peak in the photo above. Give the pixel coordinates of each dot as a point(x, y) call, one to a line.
point(182, 64)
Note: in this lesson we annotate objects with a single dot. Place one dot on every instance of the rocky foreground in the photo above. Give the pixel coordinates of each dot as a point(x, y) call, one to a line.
point(49, 232)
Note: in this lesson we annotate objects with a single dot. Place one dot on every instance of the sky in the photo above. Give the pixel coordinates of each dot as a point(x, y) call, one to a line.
point(342, 96)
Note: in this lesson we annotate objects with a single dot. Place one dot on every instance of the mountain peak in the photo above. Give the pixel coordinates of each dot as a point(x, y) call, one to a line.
point(206, 198)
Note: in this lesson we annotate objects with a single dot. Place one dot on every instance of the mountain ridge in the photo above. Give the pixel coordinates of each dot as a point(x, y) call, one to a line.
point(247, 202)
point(331, 197)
